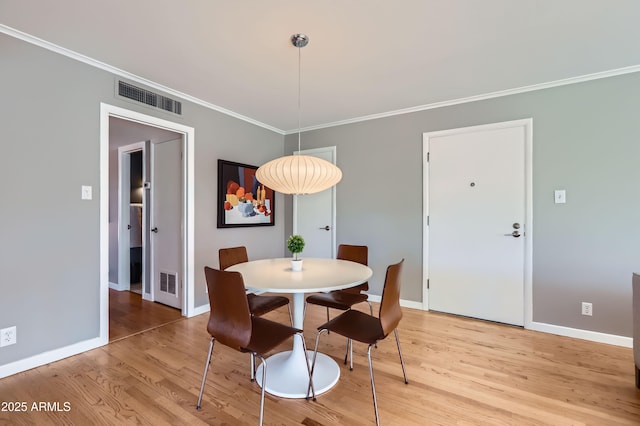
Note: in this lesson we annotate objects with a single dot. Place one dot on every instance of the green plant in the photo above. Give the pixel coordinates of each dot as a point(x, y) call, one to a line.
point(295, 244)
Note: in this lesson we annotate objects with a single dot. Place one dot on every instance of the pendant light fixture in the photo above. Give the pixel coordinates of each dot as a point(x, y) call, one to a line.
point(299, 174)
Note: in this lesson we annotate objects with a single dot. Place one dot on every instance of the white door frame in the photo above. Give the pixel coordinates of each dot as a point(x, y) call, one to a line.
point(527, 125)
point(333, 151)
point(106, 111)
point(124, 194)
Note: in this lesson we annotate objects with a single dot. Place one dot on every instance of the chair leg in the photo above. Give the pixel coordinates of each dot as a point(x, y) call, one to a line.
point(253, 367)
point(264, 385)
point(404, 372)
point(346, 352)
point(637, 377)
point(291, 316)
point(373, 386)
point(204, 374)
point(350, 354)
point(313, 364)
point(306, 358)
point(328, 332)
point(371, 312)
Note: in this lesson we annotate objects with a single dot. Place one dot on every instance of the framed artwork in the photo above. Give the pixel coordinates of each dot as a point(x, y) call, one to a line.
point(242, 200)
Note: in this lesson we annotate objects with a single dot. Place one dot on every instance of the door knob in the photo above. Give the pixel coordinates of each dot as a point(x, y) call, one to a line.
point(514, 234)
point(155, 230)
point(326, 228)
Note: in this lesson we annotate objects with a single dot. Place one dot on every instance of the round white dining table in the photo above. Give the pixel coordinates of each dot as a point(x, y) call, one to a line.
point(287, 374)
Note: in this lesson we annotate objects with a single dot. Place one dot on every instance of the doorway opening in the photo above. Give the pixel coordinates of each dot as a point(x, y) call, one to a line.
point(136, 220)
point(127, 243)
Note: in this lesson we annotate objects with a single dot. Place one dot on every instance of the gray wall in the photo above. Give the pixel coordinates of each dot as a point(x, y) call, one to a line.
point(585, 140)
point(49, 256)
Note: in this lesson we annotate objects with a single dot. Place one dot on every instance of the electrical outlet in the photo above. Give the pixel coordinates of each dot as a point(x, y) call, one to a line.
point(8, 336)
point(587, 308)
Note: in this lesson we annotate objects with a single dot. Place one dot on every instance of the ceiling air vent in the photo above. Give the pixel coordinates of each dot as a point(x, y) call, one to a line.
point(147, 97)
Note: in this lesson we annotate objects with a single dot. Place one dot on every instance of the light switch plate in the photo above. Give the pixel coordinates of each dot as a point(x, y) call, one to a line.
point(86, 192)
point(560, 196)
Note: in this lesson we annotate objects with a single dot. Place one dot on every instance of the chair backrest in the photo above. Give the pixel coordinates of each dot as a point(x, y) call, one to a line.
point(229, 318)
point(358, 254)
point(390, 312)
point(232, 256)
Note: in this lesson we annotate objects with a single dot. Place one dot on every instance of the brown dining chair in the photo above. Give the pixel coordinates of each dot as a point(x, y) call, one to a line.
point(231, 323)
point(258, 304)
point(364, 328)
point(345, 299)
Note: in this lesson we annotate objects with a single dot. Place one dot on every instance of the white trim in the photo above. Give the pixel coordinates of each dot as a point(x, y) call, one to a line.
point(117, 71)
point(48, 357)
point(498, 94)
point(116, 286)
point(125, 74)
point(527, 125)
point(577, 333)
point(104, 228)
point(404, 303)
point(124, 193)
point(152, 261)
point(188, 133)
point(198, 310)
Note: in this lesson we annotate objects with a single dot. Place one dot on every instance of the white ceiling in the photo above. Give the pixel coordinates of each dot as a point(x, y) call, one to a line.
point(365, 57)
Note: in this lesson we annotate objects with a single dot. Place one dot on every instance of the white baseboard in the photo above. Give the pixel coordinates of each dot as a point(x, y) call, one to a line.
point(67, 351)
point(50, 356)
point(199, 310)
point(576, 333)
point(593, 336)
point(404, 303)
point(115, 286)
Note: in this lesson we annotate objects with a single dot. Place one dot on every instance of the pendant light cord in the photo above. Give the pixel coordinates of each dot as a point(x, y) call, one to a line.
point(299, 89)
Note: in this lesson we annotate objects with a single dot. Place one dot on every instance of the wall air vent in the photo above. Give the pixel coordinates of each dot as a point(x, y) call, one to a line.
point(147, 97)
point(169, 283)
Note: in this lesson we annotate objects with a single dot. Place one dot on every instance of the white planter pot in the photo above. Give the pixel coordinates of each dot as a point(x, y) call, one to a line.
point(296, 265)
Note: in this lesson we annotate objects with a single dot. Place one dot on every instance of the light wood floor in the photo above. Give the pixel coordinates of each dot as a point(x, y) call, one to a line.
point(130, 314)
point(461, 372)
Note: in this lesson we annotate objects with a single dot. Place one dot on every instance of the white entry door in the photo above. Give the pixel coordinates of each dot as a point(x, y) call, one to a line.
point(166, 222)
point(314, 215)
point(476, 222)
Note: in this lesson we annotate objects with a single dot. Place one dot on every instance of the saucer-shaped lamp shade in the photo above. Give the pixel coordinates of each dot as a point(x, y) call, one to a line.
point(299, 174)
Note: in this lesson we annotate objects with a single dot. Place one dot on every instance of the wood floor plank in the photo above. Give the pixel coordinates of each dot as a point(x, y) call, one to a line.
point(461, 372)
point(130, 314)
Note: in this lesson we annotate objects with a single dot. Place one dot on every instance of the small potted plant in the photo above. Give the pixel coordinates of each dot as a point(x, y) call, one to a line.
point(295, 244)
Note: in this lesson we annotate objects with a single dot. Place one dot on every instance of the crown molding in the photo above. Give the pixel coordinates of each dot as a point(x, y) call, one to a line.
point(117, 71)
point(498, 94)
point(124, 74)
